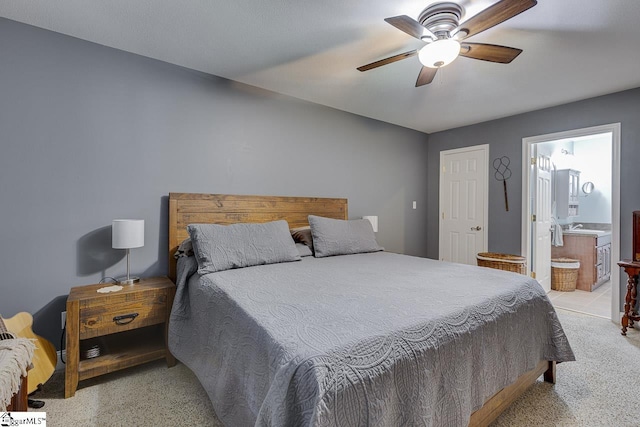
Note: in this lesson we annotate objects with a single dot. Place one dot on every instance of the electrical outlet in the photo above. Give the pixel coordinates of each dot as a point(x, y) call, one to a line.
point(414, 204)
point(63, 316)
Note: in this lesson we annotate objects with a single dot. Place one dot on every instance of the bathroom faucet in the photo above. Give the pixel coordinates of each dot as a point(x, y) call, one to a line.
point(575, 226)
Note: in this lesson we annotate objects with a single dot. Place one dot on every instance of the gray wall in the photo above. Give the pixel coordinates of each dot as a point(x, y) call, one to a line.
point(90, 134)
point(505, 139)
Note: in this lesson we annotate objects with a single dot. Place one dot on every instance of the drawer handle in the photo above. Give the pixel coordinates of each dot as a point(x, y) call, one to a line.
point(125, 318)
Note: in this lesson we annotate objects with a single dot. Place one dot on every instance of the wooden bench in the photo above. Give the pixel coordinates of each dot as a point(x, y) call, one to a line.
point(15, 359)
point(19, 401)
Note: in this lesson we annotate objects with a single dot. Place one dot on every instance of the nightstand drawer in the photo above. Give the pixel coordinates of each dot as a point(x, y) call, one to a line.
point(115, 315)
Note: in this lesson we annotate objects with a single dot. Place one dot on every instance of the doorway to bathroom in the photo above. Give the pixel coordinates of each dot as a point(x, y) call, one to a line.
point(571, 205)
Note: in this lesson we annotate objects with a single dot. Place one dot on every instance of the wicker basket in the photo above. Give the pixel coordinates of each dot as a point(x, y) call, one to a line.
point(507, 262)
point(564, 274)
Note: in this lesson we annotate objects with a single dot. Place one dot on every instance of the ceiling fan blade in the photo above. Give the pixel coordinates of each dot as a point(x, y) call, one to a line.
point(489, 52)
point(494, 15)
point(426, 76)
point(388, 60)
point(410, 26)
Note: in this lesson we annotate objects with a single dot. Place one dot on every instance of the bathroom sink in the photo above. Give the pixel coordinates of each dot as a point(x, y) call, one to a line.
point(586, 231)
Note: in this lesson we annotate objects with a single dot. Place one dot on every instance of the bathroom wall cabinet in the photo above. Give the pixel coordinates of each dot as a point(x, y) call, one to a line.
point(567, 186)
point(594, 253)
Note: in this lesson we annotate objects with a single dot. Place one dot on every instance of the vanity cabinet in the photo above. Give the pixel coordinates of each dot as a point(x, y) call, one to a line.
point(594, 253)
point(567, 186)
point(603, 265)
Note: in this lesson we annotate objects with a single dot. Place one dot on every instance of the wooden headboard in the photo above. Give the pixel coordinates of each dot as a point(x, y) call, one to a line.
point(193, 208)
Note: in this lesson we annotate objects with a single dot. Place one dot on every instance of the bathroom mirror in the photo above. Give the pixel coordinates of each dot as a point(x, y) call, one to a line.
point(588, 187)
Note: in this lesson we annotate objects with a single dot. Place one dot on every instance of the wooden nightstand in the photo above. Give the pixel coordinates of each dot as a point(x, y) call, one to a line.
point(129, 327)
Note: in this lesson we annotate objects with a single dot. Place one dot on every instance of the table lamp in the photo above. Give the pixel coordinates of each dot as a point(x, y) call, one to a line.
point(373, 219)
point(127, 234)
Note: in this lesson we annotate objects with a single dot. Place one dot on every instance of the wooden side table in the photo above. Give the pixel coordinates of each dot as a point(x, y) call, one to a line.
point(632, 268)
point(129, 327)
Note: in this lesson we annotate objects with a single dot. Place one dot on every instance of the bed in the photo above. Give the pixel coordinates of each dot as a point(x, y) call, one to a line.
point(365, 339)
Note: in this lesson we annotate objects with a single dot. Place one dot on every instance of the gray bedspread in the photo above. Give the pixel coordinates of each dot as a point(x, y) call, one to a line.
point(374, 339)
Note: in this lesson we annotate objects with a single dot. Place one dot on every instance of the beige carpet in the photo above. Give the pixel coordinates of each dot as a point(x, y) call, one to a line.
point(600, 389)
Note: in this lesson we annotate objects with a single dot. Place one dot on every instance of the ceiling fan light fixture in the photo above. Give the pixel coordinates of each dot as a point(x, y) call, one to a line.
point(439, 53)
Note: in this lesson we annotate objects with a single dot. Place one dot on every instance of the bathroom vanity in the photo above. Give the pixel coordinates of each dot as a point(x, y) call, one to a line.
point(593, 249)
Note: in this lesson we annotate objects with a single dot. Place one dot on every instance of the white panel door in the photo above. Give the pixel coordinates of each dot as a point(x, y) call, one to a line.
point(542, 224)
point(463, 204)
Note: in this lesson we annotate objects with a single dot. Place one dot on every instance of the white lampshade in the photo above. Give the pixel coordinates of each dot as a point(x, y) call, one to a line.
point(439, 53)
point(373, 219)
point(127, 233)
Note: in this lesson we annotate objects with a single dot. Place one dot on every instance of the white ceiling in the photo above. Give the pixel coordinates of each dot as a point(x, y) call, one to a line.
point(573, 49)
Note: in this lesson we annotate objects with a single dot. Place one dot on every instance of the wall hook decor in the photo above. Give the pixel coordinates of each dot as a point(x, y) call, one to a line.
point(503, 173)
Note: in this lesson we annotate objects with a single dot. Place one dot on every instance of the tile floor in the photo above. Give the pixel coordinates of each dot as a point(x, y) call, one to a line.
point(596, 303)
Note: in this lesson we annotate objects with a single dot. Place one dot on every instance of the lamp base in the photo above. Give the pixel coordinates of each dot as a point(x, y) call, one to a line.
point(127, 280)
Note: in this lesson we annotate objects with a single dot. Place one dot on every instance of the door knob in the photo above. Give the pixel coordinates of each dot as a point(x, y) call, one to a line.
point(477, 228)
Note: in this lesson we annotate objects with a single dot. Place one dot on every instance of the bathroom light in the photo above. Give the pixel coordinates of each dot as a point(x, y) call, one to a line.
point(439, 53)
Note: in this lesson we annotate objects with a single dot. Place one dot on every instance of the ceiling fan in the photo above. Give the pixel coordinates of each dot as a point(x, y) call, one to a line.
point(439, 26)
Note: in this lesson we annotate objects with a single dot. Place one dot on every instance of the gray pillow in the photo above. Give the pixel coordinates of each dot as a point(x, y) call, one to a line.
point(340, 237)
point(223, 247)
point(303, 250)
